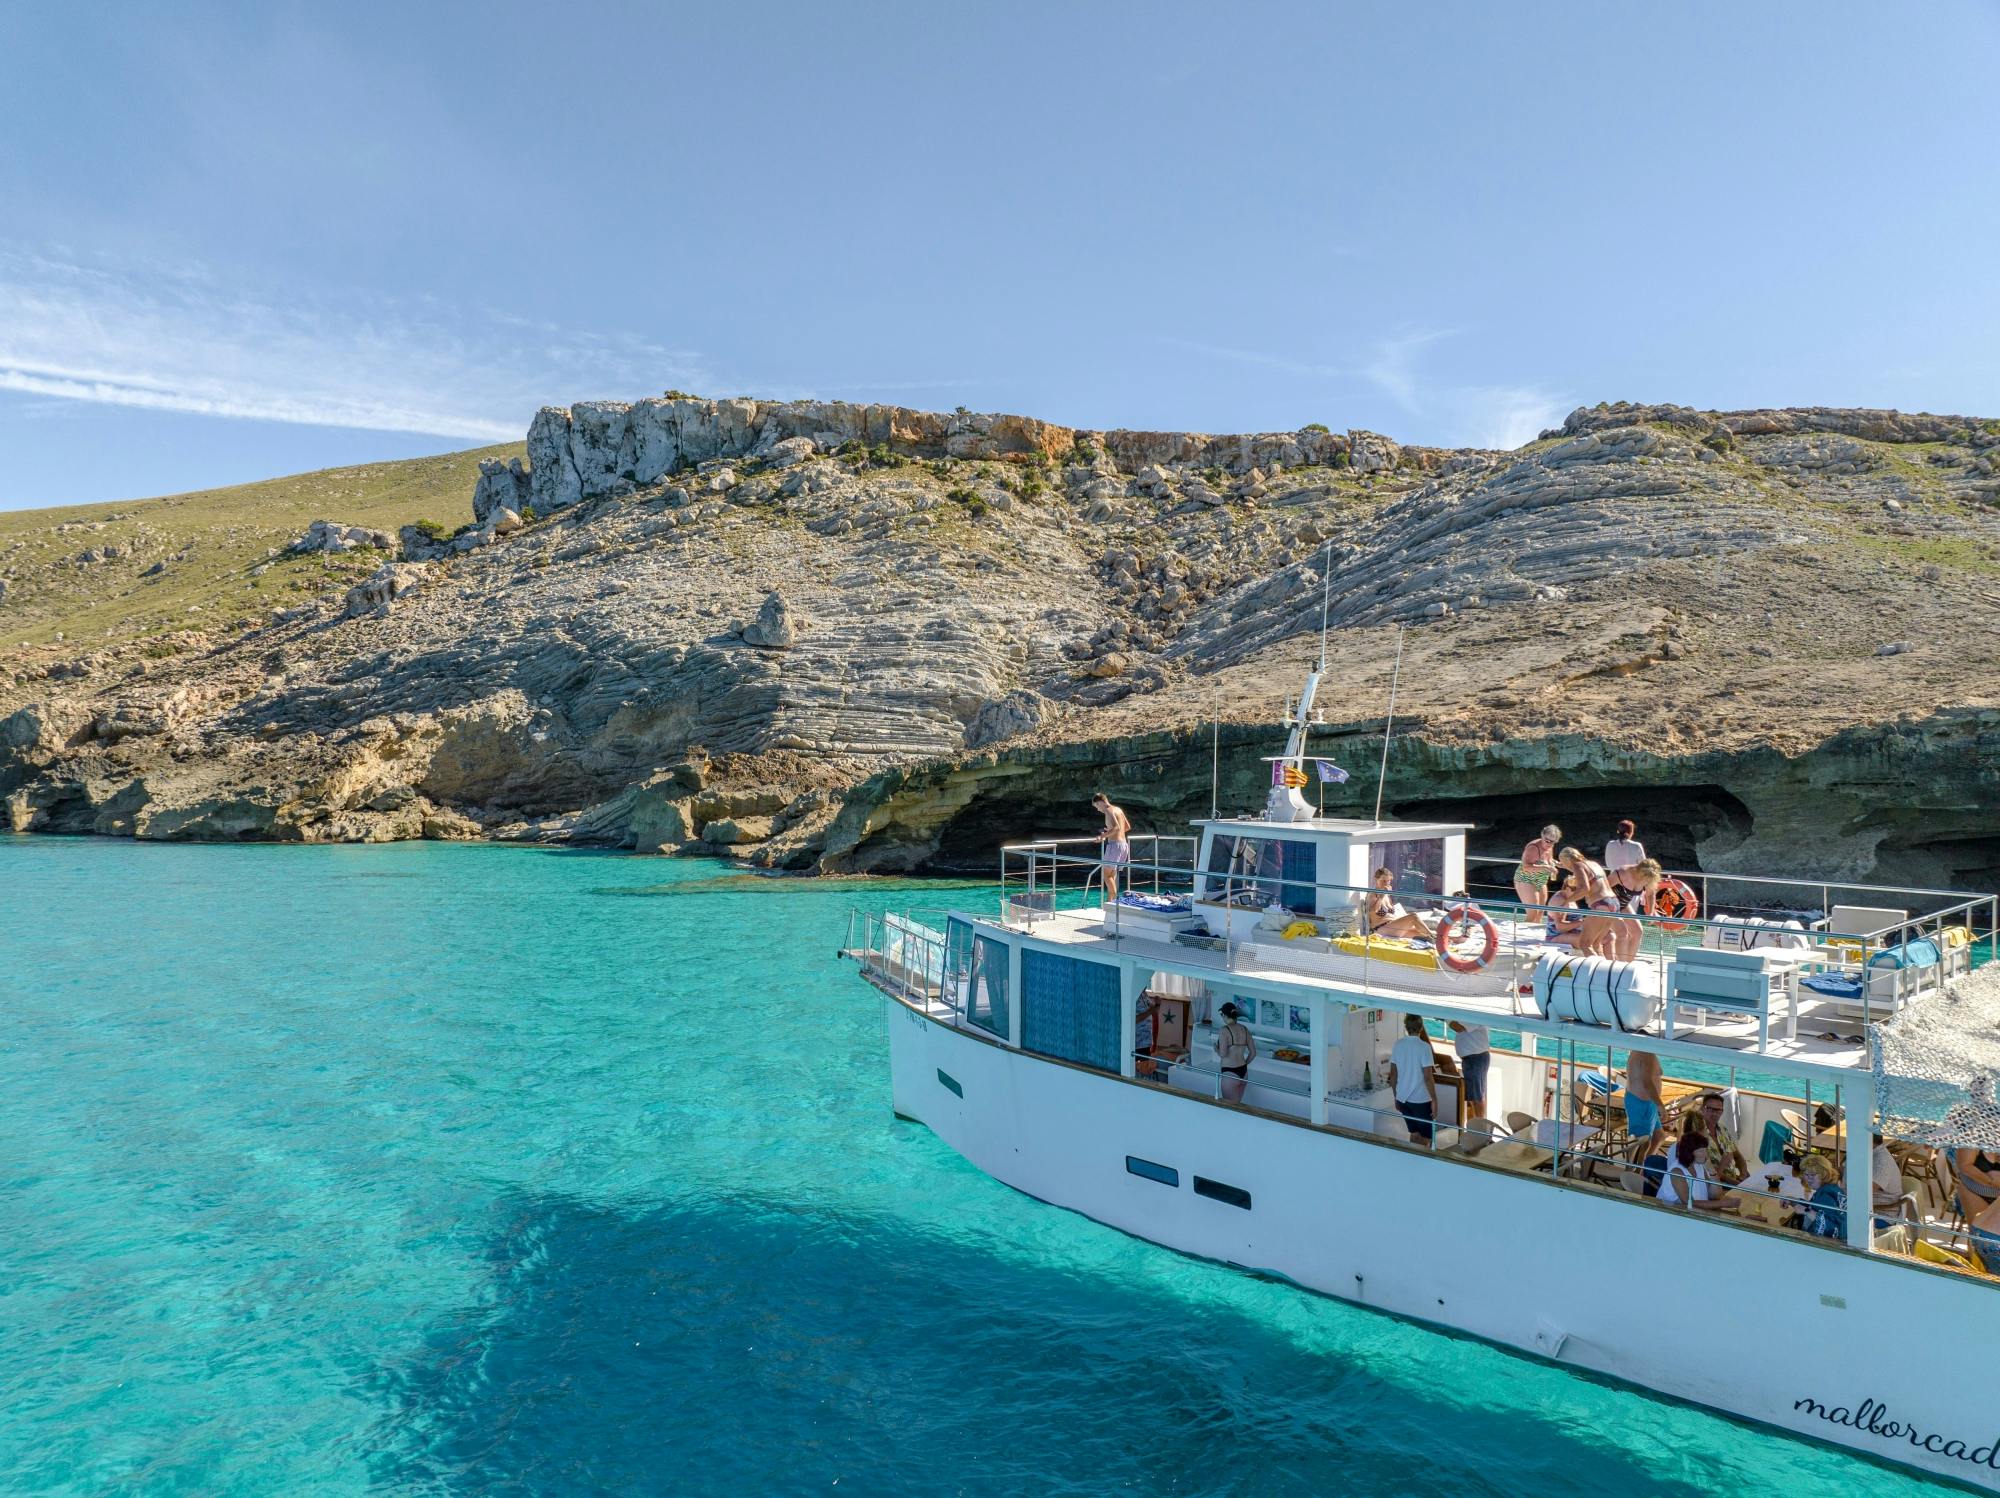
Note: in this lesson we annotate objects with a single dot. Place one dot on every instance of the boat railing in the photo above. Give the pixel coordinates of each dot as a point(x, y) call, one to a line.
point(1759, 893)
point(1037, 877)
point(1262, 918)
point(906, 953)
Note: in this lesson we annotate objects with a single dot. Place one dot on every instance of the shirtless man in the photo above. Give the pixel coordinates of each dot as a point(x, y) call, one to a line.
point(1645, 1118)
point(1117, 840)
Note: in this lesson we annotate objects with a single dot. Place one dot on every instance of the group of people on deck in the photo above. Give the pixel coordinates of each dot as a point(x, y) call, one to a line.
point(1585, 899)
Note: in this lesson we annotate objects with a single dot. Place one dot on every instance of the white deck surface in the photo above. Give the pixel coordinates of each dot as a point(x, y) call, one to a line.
point(1730, 1032)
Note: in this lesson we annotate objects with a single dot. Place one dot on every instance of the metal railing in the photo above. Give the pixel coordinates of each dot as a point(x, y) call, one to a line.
point(1037, 879)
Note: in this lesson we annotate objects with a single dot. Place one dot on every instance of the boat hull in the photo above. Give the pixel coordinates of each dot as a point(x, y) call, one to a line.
point(1784, 1331)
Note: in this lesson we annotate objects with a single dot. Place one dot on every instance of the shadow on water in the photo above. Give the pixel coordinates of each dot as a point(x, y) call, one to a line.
point(738, 1347)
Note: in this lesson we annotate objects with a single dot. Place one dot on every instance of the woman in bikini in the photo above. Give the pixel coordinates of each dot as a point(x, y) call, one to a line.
point(1597, 899)
point(1538, 867)
point(1386, 916)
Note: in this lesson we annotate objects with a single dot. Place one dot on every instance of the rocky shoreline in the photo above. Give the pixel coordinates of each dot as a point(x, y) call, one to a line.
point(830, 637)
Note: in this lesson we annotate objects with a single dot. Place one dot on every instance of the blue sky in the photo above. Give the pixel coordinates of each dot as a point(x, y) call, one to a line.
point(248, 240)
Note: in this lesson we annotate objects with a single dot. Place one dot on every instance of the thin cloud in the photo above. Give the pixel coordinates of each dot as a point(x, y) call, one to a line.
point(175, 338)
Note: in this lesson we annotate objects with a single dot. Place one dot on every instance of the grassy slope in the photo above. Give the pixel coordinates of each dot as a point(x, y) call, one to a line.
point(210, 540)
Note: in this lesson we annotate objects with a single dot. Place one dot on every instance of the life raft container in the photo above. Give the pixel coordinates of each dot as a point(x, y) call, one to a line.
point(1467, 916)
point(1677, 903)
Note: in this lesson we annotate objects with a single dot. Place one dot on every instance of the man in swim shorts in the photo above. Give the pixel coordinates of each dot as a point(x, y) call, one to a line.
point(1644, 1119)
point(1117, 840)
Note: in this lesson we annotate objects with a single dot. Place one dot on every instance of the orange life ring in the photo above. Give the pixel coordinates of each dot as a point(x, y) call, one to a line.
point(1468, 915)
point(1675, 900)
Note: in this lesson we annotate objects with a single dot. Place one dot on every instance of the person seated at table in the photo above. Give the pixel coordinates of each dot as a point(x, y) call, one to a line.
point(1891, 1200)
point(1982, 1235)
point(1386, 916)
point(1730, 1166)
point(1687, 1182)
point(1823, 1213)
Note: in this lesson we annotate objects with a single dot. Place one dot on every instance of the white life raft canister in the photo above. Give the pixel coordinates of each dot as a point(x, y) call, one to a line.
point(1597, 990)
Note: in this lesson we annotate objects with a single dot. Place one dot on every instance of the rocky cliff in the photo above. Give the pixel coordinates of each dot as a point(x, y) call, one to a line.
point(834, 636)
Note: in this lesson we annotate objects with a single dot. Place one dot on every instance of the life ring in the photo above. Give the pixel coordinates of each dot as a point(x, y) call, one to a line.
point(1467, 915)
point(1677, 902)
point(1298, 929)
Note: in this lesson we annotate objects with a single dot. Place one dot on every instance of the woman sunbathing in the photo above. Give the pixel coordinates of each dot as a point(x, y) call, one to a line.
point(1386, 916)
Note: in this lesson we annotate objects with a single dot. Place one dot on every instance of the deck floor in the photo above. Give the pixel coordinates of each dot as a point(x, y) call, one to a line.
point(1825, 1038)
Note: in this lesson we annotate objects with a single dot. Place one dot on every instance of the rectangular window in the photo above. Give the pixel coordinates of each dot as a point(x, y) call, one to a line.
point(1235, 1196)
point(1417, 866)
point(950, 1083)
point(1069, 1009)
point(1166, 1175)
point(986, 984)
point(1259, 870)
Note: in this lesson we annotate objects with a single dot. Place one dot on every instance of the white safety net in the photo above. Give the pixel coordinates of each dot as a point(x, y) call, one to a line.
point(1937, 1063)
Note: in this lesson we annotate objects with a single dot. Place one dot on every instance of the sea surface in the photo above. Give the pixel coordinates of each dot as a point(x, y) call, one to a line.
point(462, 1169)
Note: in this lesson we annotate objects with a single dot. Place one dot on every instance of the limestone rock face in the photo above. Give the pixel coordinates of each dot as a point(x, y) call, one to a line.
point(333, 536)
point(501, 486)
point(961, 625)
point(380, 591)
point(775, 627)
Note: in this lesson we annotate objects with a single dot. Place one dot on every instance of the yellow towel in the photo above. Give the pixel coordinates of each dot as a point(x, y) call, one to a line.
point(1400, 950)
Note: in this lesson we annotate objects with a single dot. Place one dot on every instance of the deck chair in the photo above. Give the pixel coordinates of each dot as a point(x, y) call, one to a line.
point(1522, 1123)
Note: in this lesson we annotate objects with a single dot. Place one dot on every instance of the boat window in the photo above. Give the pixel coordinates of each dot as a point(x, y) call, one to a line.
point(1069, 1009)
point(1417, 864)
point(986, 985)
point(949, 1082)
point(1166, 1175)
point(1266, 869)
point(1235, 1196)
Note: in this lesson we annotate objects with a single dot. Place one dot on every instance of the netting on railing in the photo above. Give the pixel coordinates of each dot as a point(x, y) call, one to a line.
point(1937, 1065)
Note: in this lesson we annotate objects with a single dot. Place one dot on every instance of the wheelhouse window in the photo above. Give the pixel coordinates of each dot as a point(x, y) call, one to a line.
point(1417, 865)
point(1259, 870)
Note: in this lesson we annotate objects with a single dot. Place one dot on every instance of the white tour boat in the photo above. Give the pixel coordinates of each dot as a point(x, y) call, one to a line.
point(1066, 1046)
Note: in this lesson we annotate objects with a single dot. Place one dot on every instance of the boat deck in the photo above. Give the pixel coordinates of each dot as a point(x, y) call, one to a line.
point(1825, 1037)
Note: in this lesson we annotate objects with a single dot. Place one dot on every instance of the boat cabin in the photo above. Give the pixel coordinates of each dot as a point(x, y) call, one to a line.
point(1246, 865)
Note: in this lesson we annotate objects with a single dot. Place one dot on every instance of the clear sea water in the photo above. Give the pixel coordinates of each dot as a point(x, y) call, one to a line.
point(457, 1169)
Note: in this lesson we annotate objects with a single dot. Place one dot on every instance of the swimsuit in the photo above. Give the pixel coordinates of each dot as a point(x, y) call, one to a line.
point(1985, 1248)
point(1117, 851)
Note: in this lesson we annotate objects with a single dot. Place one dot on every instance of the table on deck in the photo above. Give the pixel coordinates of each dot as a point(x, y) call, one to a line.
point(1517, 1154)
point(1758, 1203)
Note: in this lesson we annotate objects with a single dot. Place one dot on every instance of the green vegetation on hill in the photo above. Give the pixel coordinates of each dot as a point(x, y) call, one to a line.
point(87, 571)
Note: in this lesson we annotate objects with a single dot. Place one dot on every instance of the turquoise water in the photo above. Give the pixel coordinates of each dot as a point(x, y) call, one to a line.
point(445, 1169)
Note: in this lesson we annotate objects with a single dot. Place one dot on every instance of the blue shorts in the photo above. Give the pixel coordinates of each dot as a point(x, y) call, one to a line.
point(1475, 1076)
point(1642, 1117)
point(1419, 1117)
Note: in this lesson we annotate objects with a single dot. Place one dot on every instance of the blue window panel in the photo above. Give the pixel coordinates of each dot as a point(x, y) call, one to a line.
point(1166, 1175)
point(1235, 1196)
point(1069, 1009)
point(949, 1082)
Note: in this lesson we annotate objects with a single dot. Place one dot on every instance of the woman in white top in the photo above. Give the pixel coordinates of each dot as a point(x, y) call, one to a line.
point(1624, 852)
point(1687, 1182)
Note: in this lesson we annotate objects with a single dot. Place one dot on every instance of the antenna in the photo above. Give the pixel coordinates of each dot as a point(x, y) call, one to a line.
point(1215, 771)
point(1325, 596)
point(1389, 725)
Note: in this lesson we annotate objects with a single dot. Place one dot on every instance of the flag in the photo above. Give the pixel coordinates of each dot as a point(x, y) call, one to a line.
point(1277, 772)
point(1330, 773)
point(1294, 778)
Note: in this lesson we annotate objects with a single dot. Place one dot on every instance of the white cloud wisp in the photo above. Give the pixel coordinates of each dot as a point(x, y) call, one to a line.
point(171, 340)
